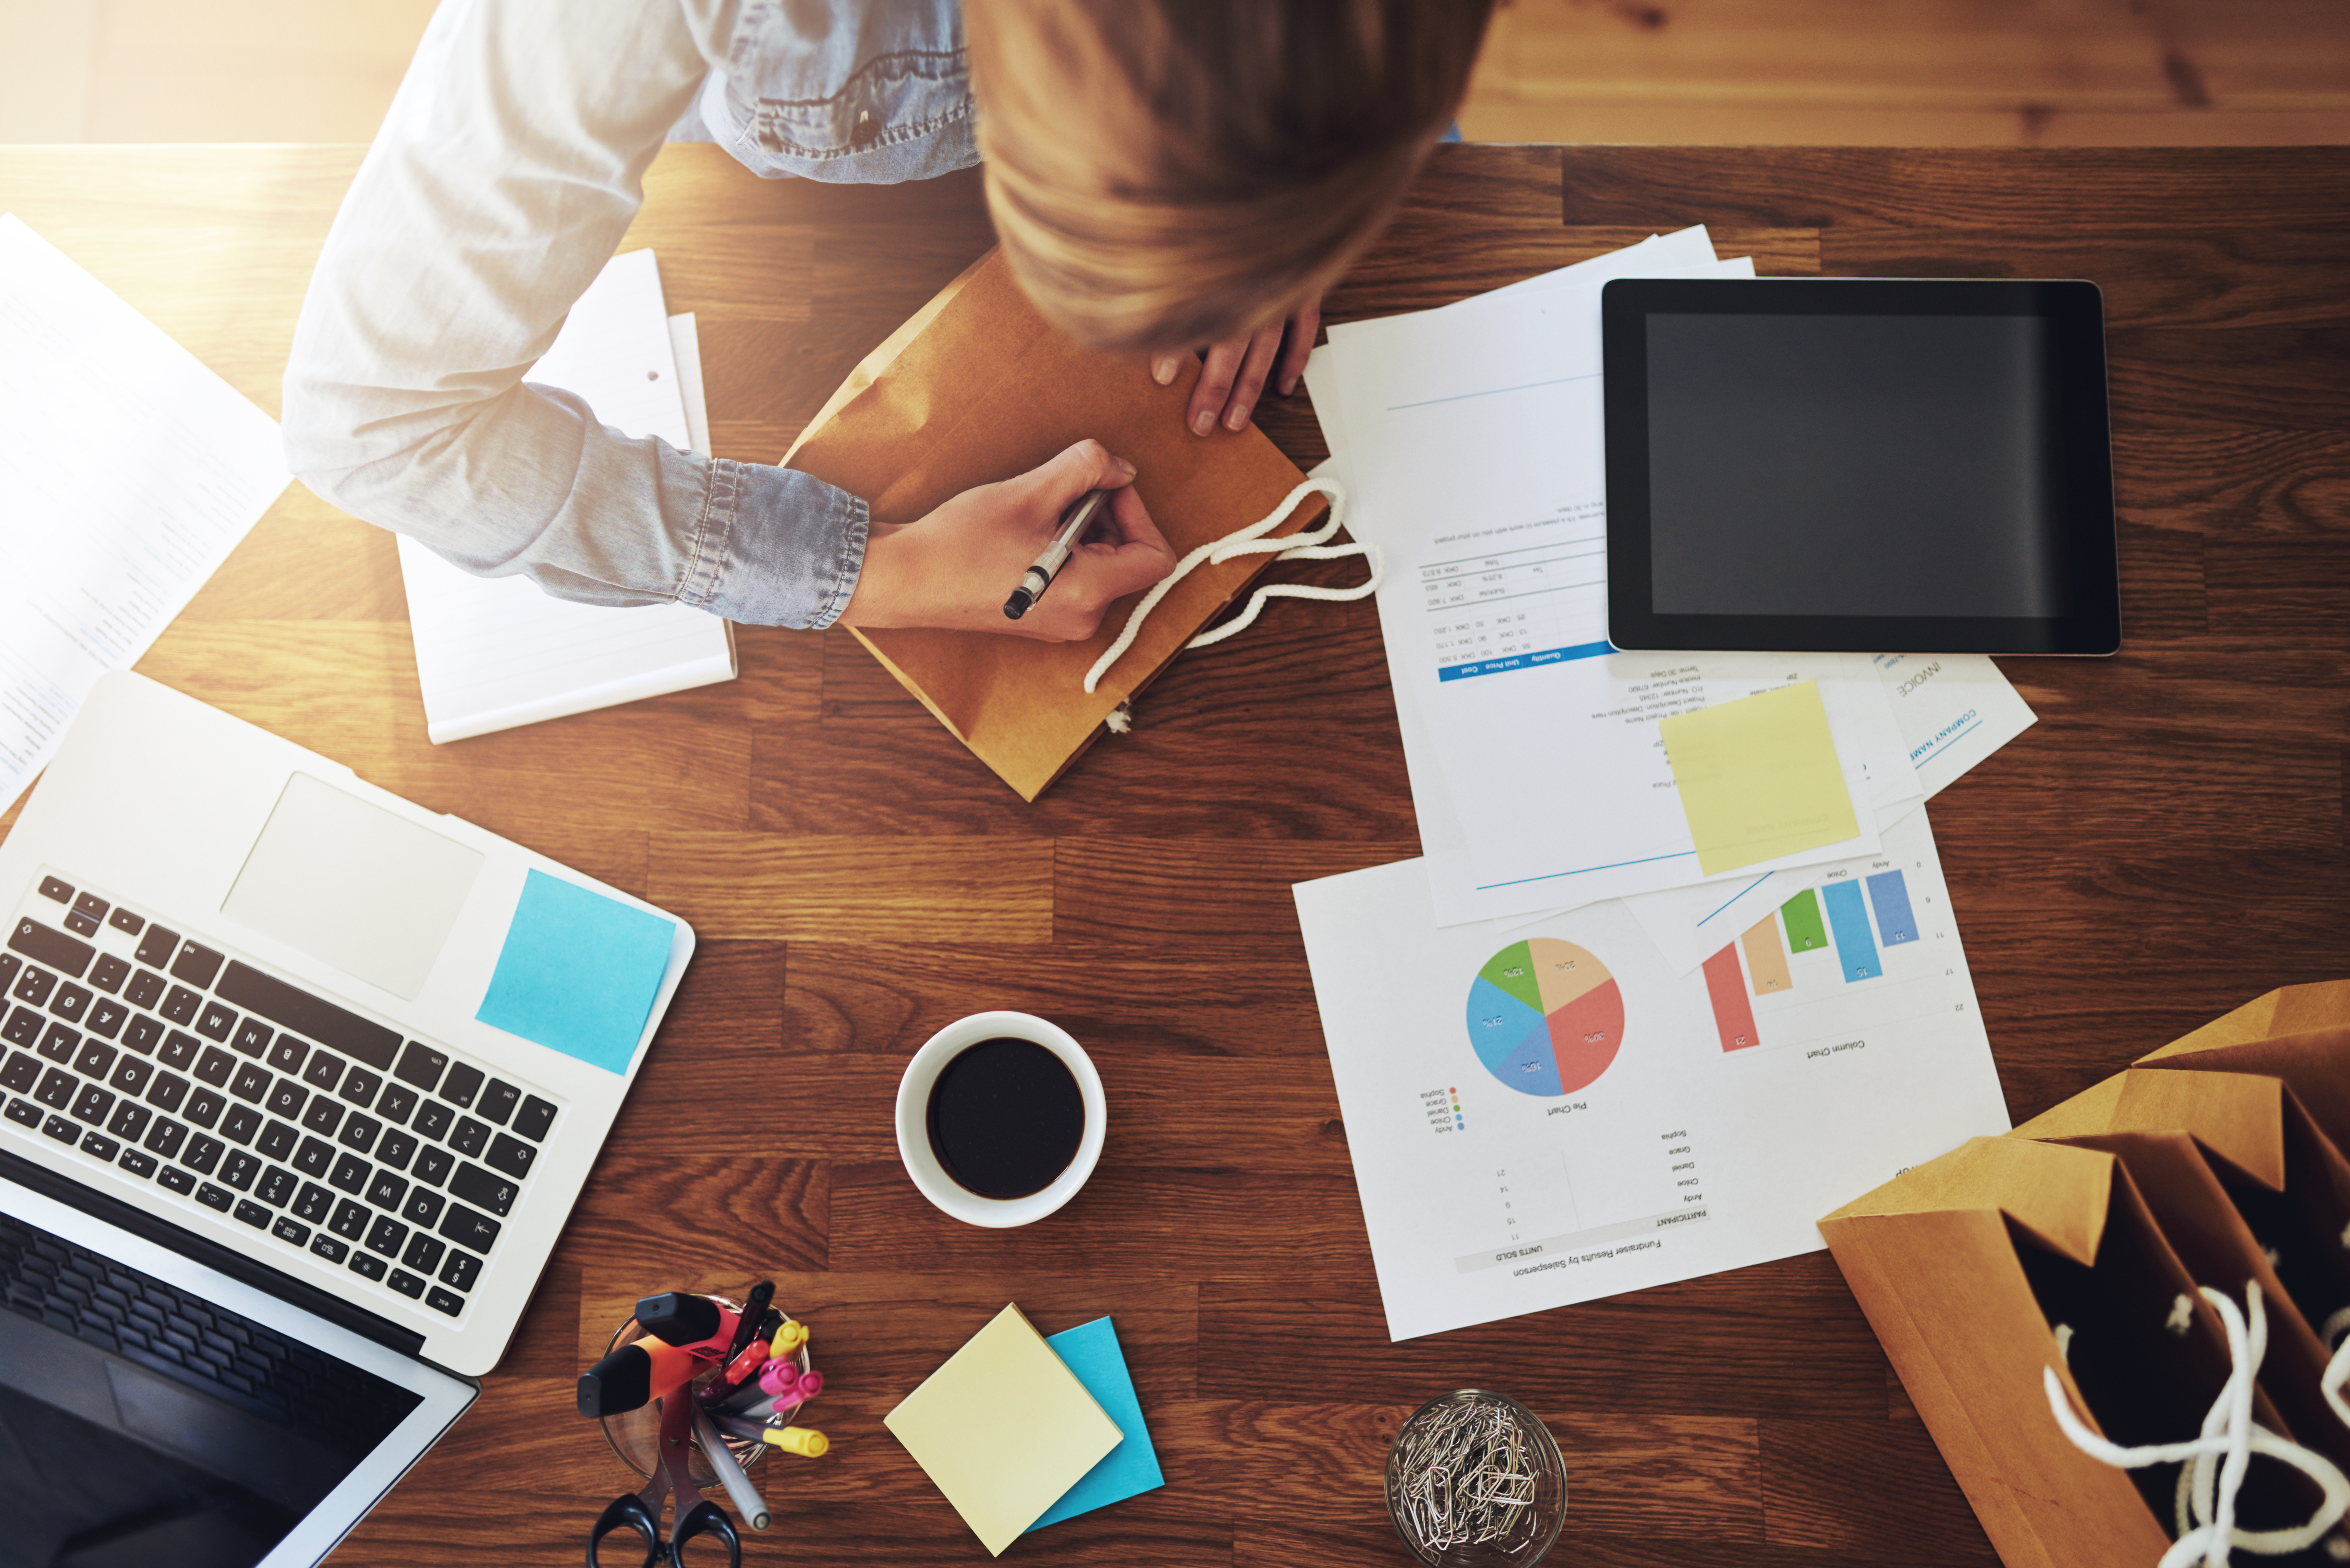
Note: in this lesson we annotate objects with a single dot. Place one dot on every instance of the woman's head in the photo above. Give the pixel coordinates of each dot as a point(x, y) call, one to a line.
point(1168, 172)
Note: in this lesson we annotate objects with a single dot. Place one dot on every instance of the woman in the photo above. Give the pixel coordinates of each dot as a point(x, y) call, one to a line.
point(1163, 173)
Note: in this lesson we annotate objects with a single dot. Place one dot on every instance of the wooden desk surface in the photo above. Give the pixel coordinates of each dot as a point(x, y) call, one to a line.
point(2167, 842)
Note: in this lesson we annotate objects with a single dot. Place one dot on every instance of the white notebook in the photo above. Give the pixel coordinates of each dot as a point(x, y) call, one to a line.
point(496, 652)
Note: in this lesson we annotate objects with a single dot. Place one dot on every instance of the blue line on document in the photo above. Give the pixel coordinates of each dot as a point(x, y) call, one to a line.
point(1579, 870)
point(1743, 892)
point(1490, 392)
point(1961, 735)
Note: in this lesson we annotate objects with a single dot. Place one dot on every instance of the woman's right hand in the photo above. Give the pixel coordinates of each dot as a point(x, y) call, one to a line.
point(955, 567)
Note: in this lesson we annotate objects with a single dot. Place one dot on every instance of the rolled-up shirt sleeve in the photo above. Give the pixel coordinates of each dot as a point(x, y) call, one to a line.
point(506, 172)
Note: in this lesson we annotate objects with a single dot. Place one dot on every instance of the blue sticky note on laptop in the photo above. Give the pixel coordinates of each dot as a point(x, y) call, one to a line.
point(579, 973)
point(1090, 1350)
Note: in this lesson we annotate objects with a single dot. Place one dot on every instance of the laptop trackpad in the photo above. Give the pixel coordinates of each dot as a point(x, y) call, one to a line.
point(353, 885)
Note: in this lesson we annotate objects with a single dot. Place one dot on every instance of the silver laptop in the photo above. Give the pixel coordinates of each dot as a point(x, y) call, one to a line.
point(271, 1192)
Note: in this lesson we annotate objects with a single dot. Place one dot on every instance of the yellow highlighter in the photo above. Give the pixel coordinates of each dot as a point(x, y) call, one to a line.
point(804, 1441)
point(790, 1339)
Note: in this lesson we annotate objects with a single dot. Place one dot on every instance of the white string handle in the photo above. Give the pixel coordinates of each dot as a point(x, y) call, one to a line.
point(2216, 1459)
point(2337, 1371)
point(1251, 541)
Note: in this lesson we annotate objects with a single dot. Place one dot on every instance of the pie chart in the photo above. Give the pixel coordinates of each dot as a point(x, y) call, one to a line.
point(1545, 1017)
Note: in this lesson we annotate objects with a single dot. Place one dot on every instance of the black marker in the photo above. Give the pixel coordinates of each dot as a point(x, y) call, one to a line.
point(1048, 565)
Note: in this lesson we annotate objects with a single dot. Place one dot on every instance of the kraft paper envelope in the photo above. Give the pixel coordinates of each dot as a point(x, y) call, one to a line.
point(977, 387)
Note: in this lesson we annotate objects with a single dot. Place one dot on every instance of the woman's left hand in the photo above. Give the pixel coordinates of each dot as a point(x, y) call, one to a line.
point(1238, 368)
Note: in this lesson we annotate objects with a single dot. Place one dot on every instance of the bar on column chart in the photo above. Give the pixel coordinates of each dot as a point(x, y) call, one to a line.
point(1849, 921)
point(1895, 921)
point(1733, 1015)
point(1801, 914)
point(1766, 958)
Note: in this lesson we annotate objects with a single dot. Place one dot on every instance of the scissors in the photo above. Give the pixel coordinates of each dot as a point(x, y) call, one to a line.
point(641, 1512)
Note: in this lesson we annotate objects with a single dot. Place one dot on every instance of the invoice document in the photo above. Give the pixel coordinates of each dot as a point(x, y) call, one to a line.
point(128, 472)
point(1547, 1114)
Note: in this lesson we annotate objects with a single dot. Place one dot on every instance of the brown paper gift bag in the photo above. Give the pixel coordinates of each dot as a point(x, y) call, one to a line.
point(2286, 1181)
point(2300, 1034)
point(1964, 1267)
point(2256, 1103)
point(2190, 1205)
point(977, 387)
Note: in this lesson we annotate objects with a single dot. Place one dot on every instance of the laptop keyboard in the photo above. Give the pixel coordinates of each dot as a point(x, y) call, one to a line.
point(52, 1281)
point(230, 1088)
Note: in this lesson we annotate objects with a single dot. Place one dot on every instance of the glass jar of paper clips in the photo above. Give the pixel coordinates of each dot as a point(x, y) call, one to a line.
point(1475, 1480)
point(635, 1435)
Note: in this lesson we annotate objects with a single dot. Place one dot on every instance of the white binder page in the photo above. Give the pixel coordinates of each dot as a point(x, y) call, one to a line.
point(496, 652)
point(128, 472)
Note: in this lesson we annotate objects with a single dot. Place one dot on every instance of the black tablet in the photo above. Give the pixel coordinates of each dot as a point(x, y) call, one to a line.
point(1858, 465)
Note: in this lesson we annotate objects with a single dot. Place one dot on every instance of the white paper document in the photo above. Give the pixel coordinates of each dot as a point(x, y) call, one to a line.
point(1954, 709)
point(1548, 1115)
point(496, 652)
point(128, 472)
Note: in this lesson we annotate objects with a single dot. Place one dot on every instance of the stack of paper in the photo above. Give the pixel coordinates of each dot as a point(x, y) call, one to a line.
point(128, 472)
point(1005, 1429)
point(1470, 438)
point(496, 652)
point(1747, 1002)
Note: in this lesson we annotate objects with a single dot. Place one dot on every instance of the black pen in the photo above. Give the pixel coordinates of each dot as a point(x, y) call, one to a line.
point(1039, 576)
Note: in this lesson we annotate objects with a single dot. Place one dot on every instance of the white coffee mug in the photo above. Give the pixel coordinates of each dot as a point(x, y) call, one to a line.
point(922, 1161)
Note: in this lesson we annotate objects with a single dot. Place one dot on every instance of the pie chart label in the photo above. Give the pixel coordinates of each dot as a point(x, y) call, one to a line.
point(1545, 1017)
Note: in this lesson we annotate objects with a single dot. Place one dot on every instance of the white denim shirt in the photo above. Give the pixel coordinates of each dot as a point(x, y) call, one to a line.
point(511, 162)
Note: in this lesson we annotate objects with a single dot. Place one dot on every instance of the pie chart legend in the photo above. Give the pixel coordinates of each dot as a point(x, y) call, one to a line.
point(1545, 1017)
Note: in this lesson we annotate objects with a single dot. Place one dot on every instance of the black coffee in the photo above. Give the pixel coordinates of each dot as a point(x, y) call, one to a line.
point(1005, 1117)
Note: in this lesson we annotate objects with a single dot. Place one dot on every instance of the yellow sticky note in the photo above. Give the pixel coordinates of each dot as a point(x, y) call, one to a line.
point(1759, 778)
point(1003, 1429)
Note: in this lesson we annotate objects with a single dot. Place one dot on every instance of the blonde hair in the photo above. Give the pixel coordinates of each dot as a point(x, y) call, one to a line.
point(1166, 172)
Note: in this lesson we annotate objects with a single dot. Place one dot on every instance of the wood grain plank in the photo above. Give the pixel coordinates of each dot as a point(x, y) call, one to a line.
point(1194, 889)
point(2149, 277)
point(2216, 190)
point(856, 888)
point(1809, 1501)
point(2208, 476)
point(673, 1210)
point(1131, 1215)
point(1716, 1346)
point(885, 1001)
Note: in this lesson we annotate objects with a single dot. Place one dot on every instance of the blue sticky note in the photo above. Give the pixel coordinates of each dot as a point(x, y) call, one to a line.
point(1090, 1350)
point(579, 973)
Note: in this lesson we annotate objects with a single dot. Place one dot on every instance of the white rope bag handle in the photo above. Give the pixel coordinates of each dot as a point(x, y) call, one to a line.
point(2337, 1370)
point(2215, 1461)
point(1251, 541)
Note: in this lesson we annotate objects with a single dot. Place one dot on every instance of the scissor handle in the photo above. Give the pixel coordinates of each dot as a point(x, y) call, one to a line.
point(629, 1512)
point(704, 1519)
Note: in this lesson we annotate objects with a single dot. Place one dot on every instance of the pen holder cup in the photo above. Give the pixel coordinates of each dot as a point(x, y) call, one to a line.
point(635, 1435)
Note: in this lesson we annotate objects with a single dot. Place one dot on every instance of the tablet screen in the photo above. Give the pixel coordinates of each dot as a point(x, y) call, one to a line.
point(1856, 464)
point(1851, 465)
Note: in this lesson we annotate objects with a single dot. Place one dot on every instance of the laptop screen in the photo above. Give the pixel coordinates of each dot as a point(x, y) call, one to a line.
point(143, 1423)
